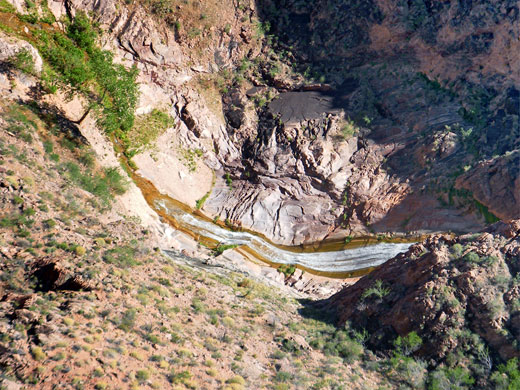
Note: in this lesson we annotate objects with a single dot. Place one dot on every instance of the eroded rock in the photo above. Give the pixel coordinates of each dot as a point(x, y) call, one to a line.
point(449, 284)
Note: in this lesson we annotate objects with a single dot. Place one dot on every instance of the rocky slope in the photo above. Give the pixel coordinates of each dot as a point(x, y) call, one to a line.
point(458, 294)
point(87, 299)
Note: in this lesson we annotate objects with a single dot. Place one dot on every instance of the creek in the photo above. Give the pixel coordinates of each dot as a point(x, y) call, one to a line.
point(338, 259)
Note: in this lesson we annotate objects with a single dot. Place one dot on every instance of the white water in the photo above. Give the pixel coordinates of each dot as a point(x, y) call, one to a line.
point(337, 261)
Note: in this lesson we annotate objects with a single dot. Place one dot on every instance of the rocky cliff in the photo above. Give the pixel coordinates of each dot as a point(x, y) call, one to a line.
point(322, 119)
point(438, 103)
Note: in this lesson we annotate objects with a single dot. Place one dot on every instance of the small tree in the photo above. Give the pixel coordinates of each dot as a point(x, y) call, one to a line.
point(508, 376)
point(80, 68)
point(377, 289)
point(408, 344)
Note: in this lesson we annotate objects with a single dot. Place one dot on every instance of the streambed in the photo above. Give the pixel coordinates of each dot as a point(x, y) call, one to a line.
point(330, 262)
point(332, 259)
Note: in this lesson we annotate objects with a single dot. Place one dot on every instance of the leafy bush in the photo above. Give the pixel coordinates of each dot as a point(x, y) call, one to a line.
point(236, 379)
point(23, 60)
point(5, 6)
point(79, 67)
point(104, 185)
point(80, 251)
point(507, 377)
point(19, 124)
point(408, 370)
point(408, 344)
point(457, 249)
point(229, 181)
point(450, 378)
point(122, 256)
point(179, 377)
point(142, 375)
point(337, 343)
point(472, 257)
point(348, 129)
point(147, 128)
point(223, 247)
point(128, 320)
point(38, 353)
point(349, 350)
point(287, 269)
point(377, 289)
point(200, 202)
point(81, 32)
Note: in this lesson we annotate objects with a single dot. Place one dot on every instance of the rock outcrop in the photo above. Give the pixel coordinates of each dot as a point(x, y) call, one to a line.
point(10, 47)
point(442, 289)
point(420, 121)
point(51, 276)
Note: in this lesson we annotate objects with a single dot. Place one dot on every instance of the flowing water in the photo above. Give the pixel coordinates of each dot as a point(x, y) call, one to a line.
point(333, 259)
point(360, 255)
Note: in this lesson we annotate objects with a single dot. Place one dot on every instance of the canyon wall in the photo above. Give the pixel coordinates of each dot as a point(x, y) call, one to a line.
point(306, 121)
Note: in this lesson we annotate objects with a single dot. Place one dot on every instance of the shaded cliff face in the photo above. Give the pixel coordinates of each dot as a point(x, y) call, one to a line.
point(432, 89)
point(438, 82)
point(459, 294)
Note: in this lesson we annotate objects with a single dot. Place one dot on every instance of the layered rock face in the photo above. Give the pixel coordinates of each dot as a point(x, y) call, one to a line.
point(399, 116)
point(445, 289)
point(410, 76)
point(435, 130)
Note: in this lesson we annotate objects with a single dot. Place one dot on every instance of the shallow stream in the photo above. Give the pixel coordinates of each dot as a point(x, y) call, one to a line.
point(341, 261)
point(329, 258)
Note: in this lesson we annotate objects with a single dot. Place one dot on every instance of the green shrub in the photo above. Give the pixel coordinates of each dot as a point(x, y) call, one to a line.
point(38, 353)
point(87, 160)
point(197, 305)
point(489, 217)
point(348, 129)
point(121, 256)
point(507, 377)
point(229, 181)
point(128, 320)
point(408, 371)
point(350, 350)
point(81, 32)
point(221, 248)
point(23, 60)
point(179, 377)
point(450, 378)
point(142, 375)
point(147, 128)
point(100, 241)
point(105, 185)
point(408, 344)
point(7, 7)
point(79, 67)
point(80, 251)
point(287, 269)
point(377, 289)
point(472, 257)
point(457, 250)
point(236, 379)
point(200, 202)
